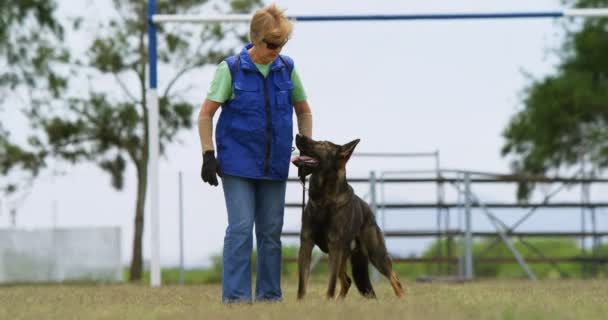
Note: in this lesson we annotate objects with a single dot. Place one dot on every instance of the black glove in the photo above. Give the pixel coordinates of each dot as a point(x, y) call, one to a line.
point(210, 168)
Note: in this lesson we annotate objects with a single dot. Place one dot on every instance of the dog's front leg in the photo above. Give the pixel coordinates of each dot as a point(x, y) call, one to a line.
point(335, 259)
point(345, 281)
point(306, 245)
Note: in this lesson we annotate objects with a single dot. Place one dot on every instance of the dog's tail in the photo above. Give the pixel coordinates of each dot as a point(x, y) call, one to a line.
point(359, 263)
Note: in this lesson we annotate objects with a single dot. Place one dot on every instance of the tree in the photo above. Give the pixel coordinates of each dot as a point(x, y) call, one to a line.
point(564, 122)
point(108, 124)
point(528, 248)
point(29, 55)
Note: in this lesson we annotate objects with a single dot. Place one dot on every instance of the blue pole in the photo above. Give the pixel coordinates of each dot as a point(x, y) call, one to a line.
point(152, 43)
point(153, 151)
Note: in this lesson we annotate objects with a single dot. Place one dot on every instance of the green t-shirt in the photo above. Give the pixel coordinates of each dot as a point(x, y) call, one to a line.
point(221, 86)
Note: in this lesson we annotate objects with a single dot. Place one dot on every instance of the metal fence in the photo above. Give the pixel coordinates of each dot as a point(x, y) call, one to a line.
point(60, 254)
point(461, 182)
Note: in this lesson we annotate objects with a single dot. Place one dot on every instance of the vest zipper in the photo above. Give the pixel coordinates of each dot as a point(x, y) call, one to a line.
point(268, 128)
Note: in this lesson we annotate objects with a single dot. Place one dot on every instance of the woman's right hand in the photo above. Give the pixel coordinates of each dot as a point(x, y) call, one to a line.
point(210, 169)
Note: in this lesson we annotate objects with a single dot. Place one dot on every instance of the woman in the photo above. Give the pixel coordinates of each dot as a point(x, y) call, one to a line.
point(258, 90)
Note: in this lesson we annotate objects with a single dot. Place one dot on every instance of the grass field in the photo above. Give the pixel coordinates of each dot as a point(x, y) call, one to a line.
point(572, 299)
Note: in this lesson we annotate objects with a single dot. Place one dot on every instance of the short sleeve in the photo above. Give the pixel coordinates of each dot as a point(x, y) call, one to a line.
point(220, 89)
point(298, 94)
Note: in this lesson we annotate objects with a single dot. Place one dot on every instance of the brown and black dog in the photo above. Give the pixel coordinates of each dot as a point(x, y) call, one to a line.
point(339, 222)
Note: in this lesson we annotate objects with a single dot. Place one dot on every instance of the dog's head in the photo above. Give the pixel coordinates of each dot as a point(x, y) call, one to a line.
point(322, 155)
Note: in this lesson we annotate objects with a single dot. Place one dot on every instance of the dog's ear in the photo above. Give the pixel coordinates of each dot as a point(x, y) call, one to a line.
point(347, 150)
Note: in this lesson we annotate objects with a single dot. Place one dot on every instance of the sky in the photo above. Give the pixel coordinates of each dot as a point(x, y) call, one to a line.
point(399, 86)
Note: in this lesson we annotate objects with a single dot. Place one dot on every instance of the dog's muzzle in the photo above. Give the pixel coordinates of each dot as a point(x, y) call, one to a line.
point(304, 161)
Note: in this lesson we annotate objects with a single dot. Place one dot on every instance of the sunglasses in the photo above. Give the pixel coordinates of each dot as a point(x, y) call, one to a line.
point(274, 46)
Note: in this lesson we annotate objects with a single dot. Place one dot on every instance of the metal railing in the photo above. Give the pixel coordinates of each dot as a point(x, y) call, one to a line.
point(462, 181)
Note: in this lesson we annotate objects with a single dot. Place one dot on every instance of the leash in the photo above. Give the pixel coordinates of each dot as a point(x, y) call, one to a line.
point(302, 178)
point(303, 181)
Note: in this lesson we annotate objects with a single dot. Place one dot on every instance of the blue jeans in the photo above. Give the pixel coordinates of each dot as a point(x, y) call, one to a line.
point(249, 202)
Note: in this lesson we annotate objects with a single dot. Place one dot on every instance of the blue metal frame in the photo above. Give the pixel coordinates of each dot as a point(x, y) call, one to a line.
point(548, 14)
point(152, 55)
point(152, 43)
point(379, 17)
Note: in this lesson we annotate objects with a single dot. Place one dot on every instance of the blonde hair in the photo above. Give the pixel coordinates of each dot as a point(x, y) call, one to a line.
point(269, 23)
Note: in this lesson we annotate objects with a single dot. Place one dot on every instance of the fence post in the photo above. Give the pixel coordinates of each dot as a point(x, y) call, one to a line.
point(374, 207)
point(460, 227)
point(468, 258)
point(181, 229)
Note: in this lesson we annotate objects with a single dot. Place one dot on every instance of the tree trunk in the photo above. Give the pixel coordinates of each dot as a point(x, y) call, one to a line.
point(135, 273)
point(141, 162)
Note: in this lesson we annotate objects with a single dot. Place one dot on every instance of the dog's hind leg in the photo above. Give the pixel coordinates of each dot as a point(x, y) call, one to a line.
point(344, 279)
point(378, 255)
point(306, 245)
point(359, 265)
point(396, 284)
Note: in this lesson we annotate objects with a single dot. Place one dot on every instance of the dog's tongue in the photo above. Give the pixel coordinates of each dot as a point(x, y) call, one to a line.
point(303, 159)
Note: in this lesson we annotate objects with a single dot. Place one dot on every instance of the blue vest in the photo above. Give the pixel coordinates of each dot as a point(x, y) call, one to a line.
point(254, 131)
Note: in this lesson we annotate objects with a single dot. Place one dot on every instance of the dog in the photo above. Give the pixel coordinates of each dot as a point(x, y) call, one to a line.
point(339, 222)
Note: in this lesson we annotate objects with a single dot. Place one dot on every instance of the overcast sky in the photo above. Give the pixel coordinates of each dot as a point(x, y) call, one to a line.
point(399, 86)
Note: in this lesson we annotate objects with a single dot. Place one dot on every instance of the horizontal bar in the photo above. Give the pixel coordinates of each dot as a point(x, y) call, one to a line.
point(506, 179)
point(388, 154)
point(488, 234)
point(407, 172)
point(505, 260)
point(456, 233)
point(494, 205)
point(448, 16)
point(499, 260)
point(593, 12)
point(599, 12)
point(161, 18)
point(395, 154)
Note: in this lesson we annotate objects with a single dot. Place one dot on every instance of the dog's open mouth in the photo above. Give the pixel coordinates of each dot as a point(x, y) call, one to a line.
point(304, 161)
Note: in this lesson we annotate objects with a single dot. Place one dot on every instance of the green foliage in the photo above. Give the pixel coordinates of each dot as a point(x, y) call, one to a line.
point(565, 115)
point(412, 270)
point(12, 156)
point(108, 125)
point(108, 54)
point(536, 248)
point(30, 50)
point(549, 247)
point(531, 249)
point(30, 31)
point(191, 276)
point(213, 274)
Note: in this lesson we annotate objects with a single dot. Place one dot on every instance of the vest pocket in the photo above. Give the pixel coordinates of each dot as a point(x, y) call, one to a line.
point(283, 92)
point(247, 94)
